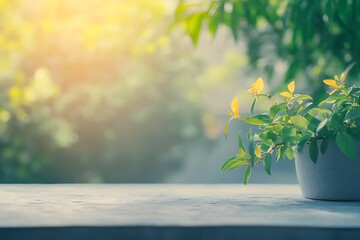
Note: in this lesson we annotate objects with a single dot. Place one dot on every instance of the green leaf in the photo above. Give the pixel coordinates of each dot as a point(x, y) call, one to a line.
point(216, 18)
point(247, 174)
point(249, 135)
point(264, 147)
point(324, 145)
point(241, 155)
point(228, 162)
point(300, 122)
point(301, 145)
point(258, 119)
point(353, 113)
point(354, 91)
point(274, 110)
point(234, 23)
point(267, 164)
point(289, 153)
point(336, 121)
point(267, 137)
point(280, 153)
point(233, 162)
point(304, 107)
point(226, 129)
point(306, 135)
point(313, 150)
point(278, 127)
point(331, 99)
point(193, 26)
point(240, 142)
point(288, 133)
point(253, 105)
point(300, 98)
point(321, 125)
point(319, 113)
point(252, 153)
point(213, 25)
point(346, 144)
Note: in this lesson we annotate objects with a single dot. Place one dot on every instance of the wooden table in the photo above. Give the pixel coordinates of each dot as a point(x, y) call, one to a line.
point(163, 211)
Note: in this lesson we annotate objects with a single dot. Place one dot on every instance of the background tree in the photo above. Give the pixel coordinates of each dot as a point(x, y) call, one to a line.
point(93, 91)
point(313, 39)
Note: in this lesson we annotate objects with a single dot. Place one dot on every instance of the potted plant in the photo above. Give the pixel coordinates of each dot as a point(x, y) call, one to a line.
point(322, 138)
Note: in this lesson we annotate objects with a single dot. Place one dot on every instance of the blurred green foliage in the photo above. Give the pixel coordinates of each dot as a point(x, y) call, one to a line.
point(313, 39)
point(92, 91)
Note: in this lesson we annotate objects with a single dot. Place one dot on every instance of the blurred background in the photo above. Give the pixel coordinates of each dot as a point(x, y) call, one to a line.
point(134, 91)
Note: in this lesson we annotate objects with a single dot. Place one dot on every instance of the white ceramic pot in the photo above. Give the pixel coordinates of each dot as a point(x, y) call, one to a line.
point(334, 177)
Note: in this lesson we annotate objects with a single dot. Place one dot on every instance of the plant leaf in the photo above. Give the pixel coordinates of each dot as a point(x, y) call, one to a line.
point(336, 121)
point(226, 129)
point(291, 86)
point(267, 164)
point(249, 135)
point(346, 144)
point(313, 150)
point(234, 23)
point(274, 110)
point(353, 113)
point(324, 144)
point(253, 105)
point(289, 153)
point(258, 151)
point(345, 73)
point(286, 94)
point(301, 144)
point(259, 85)
point(300, 122)
point(300, 97)
point(193, 26)
point(319, 113)
point(240, 142)
point(267, 137)
point(234, 105)
point(278, 154)
point(233, 162)
point(331, 99)
point(247, 174)
point(321, 125)
point(227, 162)
point(278, 127)
point(332, 83)
point(258, 119)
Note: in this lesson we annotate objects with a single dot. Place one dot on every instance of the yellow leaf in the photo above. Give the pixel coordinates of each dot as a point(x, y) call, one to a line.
point(259, 85)
point(235, 107)
point(226, 129)
point(251, 90)
point(286, 94)
point(258, 151)
point(332, 83)
point(241, 153)
point(291, 87)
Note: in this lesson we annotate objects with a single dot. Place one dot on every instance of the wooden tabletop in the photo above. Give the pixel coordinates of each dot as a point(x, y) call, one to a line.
point(167, 211)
